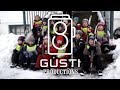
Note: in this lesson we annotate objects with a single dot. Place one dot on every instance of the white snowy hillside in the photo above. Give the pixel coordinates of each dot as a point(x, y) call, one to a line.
point(7, 44)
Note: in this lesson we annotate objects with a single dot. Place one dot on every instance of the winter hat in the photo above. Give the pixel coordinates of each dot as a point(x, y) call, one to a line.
point(79, 32)
point(85, 19)
point(76, 19)
point(46, 37)
point(45, 20)
point(101, 24)
point(91, 38)
point(32, 39)
point(60, 38)
point(21, 38)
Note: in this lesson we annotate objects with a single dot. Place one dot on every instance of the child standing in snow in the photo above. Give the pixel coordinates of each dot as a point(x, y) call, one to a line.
point(101, 35)
point(17, 51)
point(103, 38)
point(44, 27)
point(37, 28)
point(28, 58)
point(43, 32)
point(52, 33)
point(78, 46)
point(86, 29)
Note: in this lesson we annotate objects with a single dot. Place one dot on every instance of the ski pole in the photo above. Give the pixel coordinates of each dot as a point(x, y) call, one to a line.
point(90, 18)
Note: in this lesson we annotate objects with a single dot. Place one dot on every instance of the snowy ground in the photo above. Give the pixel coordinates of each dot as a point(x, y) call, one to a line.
point(7, 44)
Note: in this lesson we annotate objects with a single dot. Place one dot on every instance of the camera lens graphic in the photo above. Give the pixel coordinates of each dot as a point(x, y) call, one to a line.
point(61, 27)
point(62, 34)
point(62, 23)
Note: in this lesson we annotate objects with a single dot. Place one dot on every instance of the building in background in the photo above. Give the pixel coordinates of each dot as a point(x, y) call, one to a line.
point(13, 21)
point(10, 18)
point(16, 21)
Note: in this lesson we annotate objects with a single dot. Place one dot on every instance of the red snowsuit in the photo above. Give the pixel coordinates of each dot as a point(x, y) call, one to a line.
point(43, 54)
point(62, 57)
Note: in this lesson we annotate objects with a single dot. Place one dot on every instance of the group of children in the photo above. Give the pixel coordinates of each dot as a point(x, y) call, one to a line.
point(28, 55)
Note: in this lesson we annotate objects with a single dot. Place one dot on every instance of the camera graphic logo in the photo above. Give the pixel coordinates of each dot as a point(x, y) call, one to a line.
point(61, 25)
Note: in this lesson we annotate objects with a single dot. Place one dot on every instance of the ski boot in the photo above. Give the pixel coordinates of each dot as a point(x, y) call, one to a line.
point(82, 73)
point(19, 66)
point(32, 66)
point(25, 67)
point(100, 73)
point(13, 66)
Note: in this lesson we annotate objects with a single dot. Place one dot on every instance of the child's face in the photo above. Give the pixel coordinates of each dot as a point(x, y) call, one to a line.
point(76, 21)
point(31, 43)
point(38, 33)
point(45, 41)
point(66, 21)
point(100, 28)
point(77, 36)
point(91, 42)
point(59, 42)
point(85, 24)
point(20, 42)
point(37, 18)
point(44, 23)
point(60, 28)
point(52, 22)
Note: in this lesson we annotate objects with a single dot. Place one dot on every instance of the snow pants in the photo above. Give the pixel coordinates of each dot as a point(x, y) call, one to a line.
point(96, 62)
point(15, 57)
point(28, 61)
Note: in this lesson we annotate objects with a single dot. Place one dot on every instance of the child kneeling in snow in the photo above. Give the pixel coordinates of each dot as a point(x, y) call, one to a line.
point(28, 58)
point(95, 57)
point(17, 51)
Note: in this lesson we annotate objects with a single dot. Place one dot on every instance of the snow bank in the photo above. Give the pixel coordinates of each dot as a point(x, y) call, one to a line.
point(7, 44)
point(113, 69)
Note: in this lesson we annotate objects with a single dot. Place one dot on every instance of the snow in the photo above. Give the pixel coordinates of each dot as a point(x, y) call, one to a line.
point(113, 70)
point(7, 44)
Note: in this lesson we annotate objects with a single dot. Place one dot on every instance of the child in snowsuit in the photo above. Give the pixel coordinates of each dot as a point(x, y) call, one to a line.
point(28, 57)
point(60, 42)
point(89, 48)
point(76, 23)
point(44, 27)
point(43, 53)
point(103, 38)
point(37, 28)
point(86, 29)
point(101, 35)
point(17, 51)
point(78, 46)
point(52, 33)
